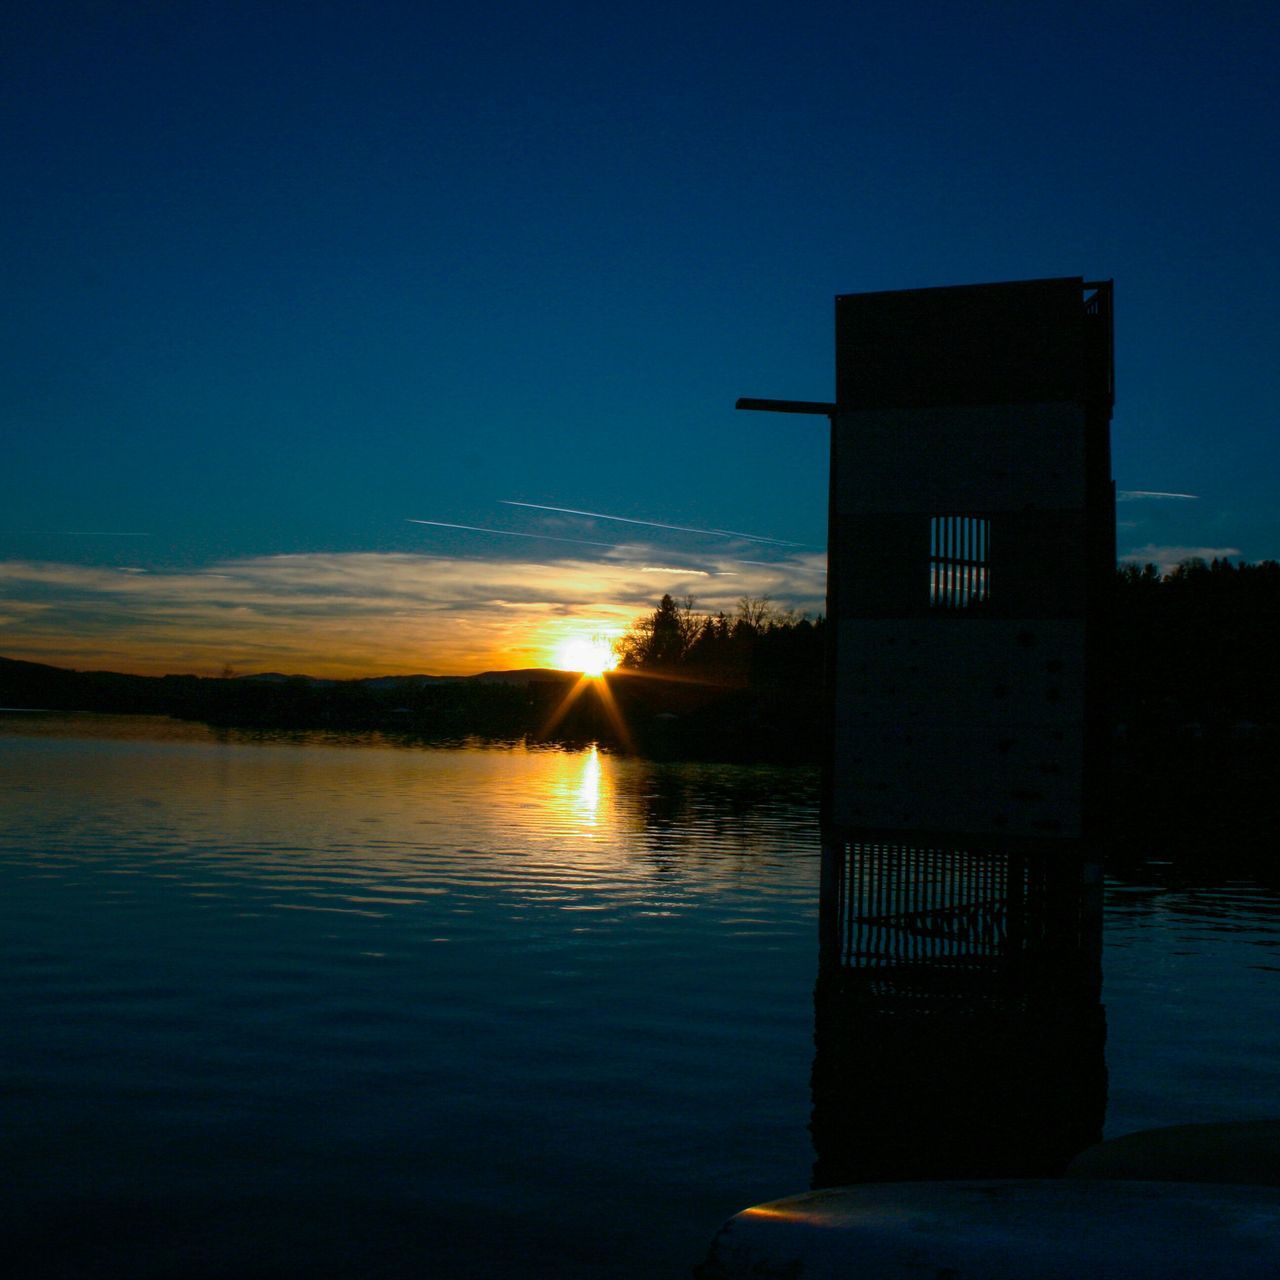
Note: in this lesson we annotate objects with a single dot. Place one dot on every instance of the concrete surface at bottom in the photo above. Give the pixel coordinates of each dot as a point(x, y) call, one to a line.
point(1006, 1230)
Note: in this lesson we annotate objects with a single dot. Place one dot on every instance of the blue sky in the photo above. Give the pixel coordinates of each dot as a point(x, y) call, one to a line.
point(282, 278)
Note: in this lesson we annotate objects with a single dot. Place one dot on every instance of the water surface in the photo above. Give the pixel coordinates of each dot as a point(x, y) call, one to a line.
point(329, 1005)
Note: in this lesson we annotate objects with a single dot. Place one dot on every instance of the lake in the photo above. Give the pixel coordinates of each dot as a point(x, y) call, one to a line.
point(339, 1006)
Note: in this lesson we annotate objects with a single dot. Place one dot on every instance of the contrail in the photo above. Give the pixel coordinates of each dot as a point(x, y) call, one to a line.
point(507, 533)
point(651, 524)
point(1136, 495)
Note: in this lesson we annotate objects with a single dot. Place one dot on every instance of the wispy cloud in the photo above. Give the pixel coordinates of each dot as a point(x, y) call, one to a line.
point(351, 614)
point(1148, 495)
point(810, 564)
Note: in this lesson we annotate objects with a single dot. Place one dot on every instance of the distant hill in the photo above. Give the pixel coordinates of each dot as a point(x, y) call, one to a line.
point(39, 685)
point(34, 684)
point(526, 675)
point(688, 718)
point(522, 676)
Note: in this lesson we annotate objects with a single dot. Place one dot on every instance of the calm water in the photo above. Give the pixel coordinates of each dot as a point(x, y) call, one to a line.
point(322, 1006)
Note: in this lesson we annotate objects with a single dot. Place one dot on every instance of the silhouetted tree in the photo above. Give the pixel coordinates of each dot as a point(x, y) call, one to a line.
point(663, 639)
point(755, 613)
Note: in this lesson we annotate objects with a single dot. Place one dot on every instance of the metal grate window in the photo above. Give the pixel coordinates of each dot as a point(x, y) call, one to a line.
point(959, 551)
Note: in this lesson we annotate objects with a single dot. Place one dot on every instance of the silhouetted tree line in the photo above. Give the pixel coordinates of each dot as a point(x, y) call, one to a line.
point(424, 706)
point(34, 684)
point(1194, 651)
point(1196, 706)
point(760, 644)
point(747, 686)
point(442, 710)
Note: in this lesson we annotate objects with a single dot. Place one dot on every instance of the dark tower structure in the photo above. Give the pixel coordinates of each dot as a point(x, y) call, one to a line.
point(970, 556)
point(971, 550)
point(972, 536)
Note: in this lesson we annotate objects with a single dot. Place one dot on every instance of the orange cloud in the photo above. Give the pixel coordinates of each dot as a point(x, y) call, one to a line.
point(348, 614)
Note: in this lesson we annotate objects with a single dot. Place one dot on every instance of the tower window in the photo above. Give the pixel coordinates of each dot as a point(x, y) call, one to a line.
point(959, 561)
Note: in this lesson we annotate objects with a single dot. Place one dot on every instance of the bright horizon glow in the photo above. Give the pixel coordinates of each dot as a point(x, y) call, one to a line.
point(591, 655)
point(349, 615)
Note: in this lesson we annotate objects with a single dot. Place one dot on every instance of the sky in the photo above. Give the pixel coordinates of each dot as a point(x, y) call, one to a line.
point(303, 301)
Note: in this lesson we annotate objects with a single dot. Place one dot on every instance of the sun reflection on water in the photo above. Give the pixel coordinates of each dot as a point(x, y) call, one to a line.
point(589, 786)
point(581, 801)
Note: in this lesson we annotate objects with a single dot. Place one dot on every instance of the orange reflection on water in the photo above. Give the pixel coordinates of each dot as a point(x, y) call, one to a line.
point(582, 796)
point(589, 786)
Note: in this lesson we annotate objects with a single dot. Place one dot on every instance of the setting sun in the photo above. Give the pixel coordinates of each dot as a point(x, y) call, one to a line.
point(593, 655)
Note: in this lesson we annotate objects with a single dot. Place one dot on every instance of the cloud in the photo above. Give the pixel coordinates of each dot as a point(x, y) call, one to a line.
point(347, 614)
point(1147, 495)
point(797, 564)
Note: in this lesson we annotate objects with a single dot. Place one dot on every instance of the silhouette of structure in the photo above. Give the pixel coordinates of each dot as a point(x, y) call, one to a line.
point(971, 550)
point(972, 545)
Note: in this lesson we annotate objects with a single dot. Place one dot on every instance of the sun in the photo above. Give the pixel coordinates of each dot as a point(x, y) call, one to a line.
point(592, 655)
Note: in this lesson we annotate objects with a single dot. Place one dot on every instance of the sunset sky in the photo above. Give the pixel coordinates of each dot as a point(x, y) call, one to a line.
point(303, 303)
